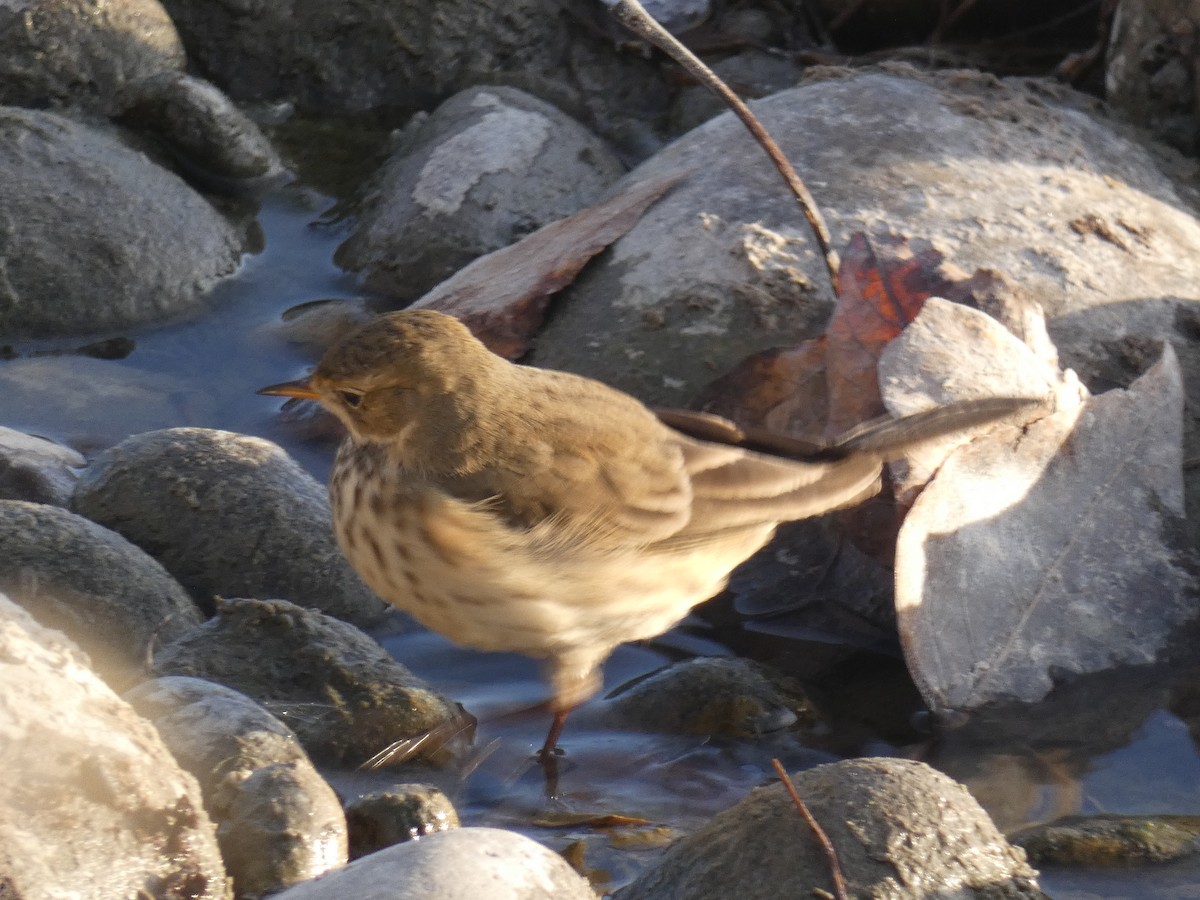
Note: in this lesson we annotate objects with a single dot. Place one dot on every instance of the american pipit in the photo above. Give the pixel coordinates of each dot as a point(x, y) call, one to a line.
point(519, 509)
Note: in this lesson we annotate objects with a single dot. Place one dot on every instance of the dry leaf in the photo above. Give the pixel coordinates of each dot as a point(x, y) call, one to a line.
point(1048, 551)
point(883, 286)
point(780, 390)
point(502, 296)
point(948, 354)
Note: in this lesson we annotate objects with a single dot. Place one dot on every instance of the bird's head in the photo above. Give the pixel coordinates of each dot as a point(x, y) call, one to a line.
point(403, 373)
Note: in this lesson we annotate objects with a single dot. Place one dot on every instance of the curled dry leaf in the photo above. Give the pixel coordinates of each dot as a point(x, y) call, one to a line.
point(1048, 549)
point(951, 353)
point(502, 297)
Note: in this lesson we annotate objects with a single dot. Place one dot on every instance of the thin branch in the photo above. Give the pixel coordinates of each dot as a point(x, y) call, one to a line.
point(633, 16)
point(835, 867)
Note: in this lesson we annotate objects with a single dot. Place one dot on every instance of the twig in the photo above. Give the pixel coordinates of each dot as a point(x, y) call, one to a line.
point(633, 16)
point(835, 867)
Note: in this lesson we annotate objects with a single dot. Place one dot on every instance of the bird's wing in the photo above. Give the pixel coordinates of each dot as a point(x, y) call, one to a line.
point(596, 466)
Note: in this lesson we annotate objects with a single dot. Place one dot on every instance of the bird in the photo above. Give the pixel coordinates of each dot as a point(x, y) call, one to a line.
point(513, 508)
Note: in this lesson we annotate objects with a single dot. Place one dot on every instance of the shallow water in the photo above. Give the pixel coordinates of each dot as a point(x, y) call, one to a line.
point(204, 372)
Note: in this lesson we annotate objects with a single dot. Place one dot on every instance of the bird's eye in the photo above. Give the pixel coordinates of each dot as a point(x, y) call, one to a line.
point(351, 398)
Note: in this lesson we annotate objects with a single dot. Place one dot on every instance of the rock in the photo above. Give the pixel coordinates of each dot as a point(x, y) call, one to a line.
point(91, 804)
point(67, 185)
point(725, 265)
point(278, 822)
point(396, 56)
point(228, 515)
point(901, 830)
point(92, 404)
point(402, 812)
point(210, 138)
point(756, 73)
point(82, 52)
point(1150, 74)
point(723, 696)
point(453, 865)
point(1110, 840)
point(35, 469)
point(345, 698)
point(91, 583)
point(489, 166)
point(676, 16)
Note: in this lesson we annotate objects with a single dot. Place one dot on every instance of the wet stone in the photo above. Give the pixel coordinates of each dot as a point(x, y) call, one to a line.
point(102, 591)
point(92, 803)
point(229, 515)
point(399, 813)
point(278, 822)
point(451, 865)
point(35, 469)
point(338, 689)
point(723, 696)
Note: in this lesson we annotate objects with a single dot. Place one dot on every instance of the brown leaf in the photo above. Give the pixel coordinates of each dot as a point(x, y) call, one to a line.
point(502, 297)
point(781, 390)
point(883, 283)
point(951, 353)
point(568, 819)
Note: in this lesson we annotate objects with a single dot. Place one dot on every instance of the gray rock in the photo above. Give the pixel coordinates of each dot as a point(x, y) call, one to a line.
point(708, 695)
point(400, 55)
point(901, 830)
point(1150, 74)
point(35, 469)
point(278, 822)
point(464, 864)
point(209, 137)
point(756, 73)
point(78, 207)
point(489, 166)
point(227, 514)
point(92, 804)
point(105, 593)
point(725, 265)
point(338, 689)
point(82, 52)
point(402, 812)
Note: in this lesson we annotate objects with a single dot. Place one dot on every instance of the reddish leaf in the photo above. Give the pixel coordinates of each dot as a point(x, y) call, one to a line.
point(883, 286)
point(502, 297)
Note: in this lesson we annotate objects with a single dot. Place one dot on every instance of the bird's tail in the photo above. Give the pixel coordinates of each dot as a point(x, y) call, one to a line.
point(884, 438)
point(889, 438)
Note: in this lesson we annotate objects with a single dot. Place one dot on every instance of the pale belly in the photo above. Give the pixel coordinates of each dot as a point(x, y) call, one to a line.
point(460, 573)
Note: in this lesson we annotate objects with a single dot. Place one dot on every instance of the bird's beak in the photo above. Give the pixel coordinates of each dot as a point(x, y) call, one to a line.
point(298, 388)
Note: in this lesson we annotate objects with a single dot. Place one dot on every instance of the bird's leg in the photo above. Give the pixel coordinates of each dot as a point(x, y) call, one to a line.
point(548, 755)
point(550, 749)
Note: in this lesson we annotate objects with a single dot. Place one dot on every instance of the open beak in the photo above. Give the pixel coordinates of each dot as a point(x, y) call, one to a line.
point(298, 388)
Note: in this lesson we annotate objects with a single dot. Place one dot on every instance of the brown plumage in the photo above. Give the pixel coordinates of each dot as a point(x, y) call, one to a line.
point(519, 509)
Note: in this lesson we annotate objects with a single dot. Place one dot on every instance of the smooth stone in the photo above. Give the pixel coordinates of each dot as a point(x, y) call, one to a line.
point(37, 470)
point(463, 864)
point(80, 204)
point(278, 821)
point(82, 52)
point(402, 812)
point(92, 803)
point(105, 593)
point(229, 515)
point(902, 830)
point(339, 690)
point(486, 168)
